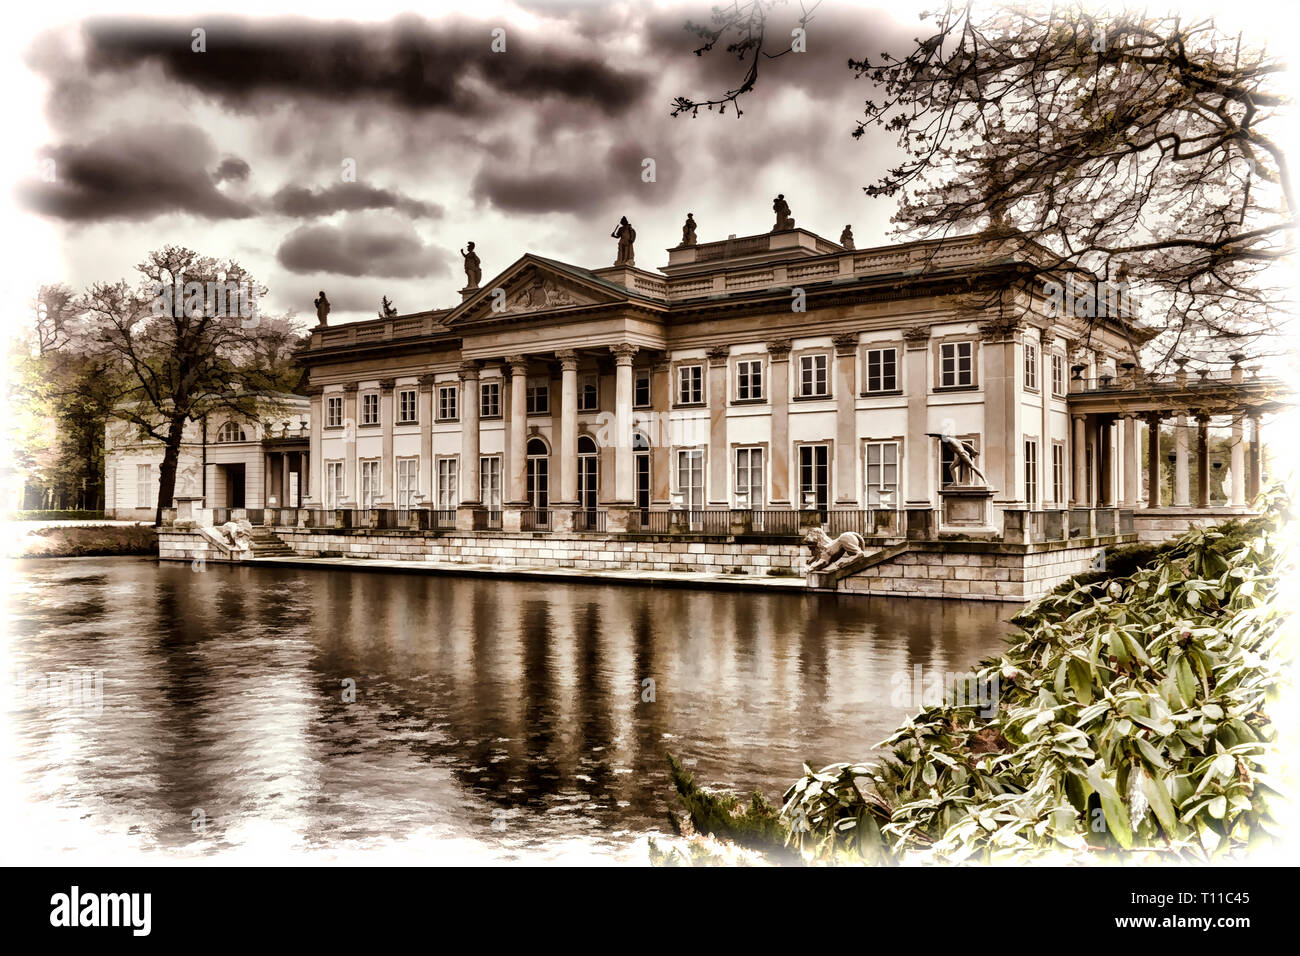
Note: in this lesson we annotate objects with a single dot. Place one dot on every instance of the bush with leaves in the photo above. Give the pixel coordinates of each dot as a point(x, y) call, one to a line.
point(1131, 721)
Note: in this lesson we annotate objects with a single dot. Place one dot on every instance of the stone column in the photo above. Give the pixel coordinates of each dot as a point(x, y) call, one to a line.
point(314, 492)
point(1182, 479)
point(1079, 460)
point(918, 469)
point(660, 435)
point(426, 440)
point(387, 484)
point(518, 462)
point(1105, 464)
point(1256, 461)
point(350, 490)
point(1153, 460)
point(1046, 342)
point(1202, 460)
point(778, 379)
point(846, 451)
point(718, 452)
point(1238, 496)
point(1131, 477)
point(468, 478)
point(285, 501)
point(624, 475)
point(1001, 410)
point(568, 443)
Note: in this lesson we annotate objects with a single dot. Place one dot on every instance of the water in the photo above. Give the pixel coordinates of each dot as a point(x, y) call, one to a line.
point(493, 720)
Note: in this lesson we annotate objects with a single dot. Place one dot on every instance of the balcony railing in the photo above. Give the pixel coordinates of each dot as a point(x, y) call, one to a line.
point(493, 520)
point(535, 519)
point(589, 520)
point(783, 522)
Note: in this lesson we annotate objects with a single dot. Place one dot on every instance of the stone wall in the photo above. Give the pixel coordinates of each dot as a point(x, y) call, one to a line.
point(1156, 526)
point(967, 571)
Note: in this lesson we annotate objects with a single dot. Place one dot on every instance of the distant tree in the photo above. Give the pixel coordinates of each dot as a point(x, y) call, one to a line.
point(1139, 147)
point(185, 342)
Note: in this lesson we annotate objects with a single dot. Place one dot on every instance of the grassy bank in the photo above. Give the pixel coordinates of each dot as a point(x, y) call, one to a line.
point(78, 541)
point(1129, 724)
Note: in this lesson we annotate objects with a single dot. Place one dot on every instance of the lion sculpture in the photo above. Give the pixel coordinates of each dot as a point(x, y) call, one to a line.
point(830, 553)
point(240, 538)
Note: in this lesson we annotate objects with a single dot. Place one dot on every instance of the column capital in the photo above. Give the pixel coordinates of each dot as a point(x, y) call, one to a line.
point(846, 343)
point(468, 371)
point(518, 365)
point(314, 391)
point(624, 352)
point(779, 349)
point(350, 386)
point(568, 359)
point(1002, 330)
point(427, 380)
point(387, 384)
point(717, 355)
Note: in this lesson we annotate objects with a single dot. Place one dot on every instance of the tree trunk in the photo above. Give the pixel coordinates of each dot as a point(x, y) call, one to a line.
point(167, 471)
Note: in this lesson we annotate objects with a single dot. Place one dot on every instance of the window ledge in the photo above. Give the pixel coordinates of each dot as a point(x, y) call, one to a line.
point(813, 398)
point(689, 405)
point(956, 388)
point(749, 401)
point(881, 393)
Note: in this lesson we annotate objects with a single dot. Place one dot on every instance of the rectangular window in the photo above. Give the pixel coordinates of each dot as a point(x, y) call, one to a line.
point(814, 477)
point(333, 483)
point(408, 481)
point(1058, 473)
point(370, 408)
point(956, 364)
point(882, 474)
point(447, 403)
point(1031, 471)
point(406, 406)
point(749, 478)
point(538, 398)
point(490, 400)
point(813, 382)
point(1058, 374)
point(690, 477)
point(446, 483)
point(749, 380)
point(489, 481)
point(882, 370)
point(588, 394)
point(369, 483)
point(334, 411)
point(690, 385)
point(641, 389)
point(1031, 365)
point(144, 486)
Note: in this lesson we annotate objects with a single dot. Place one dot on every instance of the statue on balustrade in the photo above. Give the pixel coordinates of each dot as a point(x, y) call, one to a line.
point(688, 230)
point(846, 237)
point(625, 235)
point(782, 210)
point(386, 309)
point(322, 308)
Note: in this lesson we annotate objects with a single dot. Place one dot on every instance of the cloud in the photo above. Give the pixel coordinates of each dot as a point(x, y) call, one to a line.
point(362, 247)
point(407, 61)
point(305, 203)
point(133, 173)
point(232, 167)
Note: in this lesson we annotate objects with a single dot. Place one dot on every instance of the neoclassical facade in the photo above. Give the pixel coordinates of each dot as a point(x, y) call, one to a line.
point(769, 372)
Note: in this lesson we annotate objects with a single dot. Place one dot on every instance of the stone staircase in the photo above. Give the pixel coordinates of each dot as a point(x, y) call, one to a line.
point(266, 544)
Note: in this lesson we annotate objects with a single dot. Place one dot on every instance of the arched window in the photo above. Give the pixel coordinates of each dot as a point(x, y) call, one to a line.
point(586, 446)
point(231, 431)
point(538, 484)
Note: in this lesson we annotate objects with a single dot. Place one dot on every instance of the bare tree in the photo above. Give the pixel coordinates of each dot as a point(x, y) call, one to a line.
point(1134, 147)
point(179, 351)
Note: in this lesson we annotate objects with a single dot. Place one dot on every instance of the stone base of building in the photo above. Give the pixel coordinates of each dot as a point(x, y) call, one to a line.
point(1157, 525)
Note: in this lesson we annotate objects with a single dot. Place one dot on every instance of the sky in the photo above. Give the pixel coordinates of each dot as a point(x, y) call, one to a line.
point(243, 150)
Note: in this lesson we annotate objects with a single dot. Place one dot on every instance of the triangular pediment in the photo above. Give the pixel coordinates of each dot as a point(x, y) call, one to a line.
point(533, 285)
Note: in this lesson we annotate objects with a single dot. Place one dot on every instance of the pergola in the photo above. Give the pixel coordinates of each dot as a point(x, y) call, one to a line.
point(1100, 407)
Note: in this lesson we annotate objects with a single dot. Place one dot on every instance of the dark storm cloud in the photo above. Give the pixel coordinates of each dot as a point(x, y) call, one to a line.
point(306, 203)
point(407, 61)
point(133, 173)
point(232, 168)
point(389, 249)
point(587, 186)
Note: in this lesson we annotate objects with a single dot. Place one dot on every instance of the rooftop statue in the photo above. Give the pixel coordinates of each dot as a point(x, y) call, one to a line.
point(386, 309)
point(846, 237)
point(322, 308)
point(473, 272)
point(688, 230)
point(625, 235)
point(782, 210)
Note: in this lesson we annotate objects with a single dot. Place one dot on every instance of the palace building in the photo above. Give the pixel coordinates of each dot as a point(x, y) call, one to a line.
point(773, 372)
